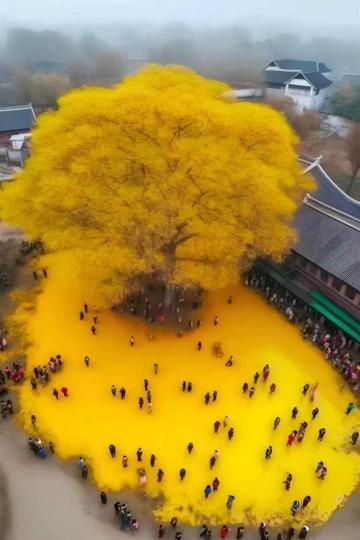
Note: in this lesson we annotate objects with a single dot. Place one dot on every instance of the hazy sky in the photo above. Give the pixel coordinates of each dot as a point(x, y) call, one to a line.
point(254, 13)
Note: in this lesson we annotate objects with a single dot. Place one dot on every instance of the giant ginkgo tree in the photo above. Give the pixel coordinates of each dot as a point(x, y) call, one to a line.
point(162, 173)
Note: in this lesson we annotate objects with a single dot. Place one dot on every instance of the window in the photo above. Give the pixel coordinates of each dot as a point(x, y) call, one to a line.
point(324, 275)
point(350, 293)
point(336, 284)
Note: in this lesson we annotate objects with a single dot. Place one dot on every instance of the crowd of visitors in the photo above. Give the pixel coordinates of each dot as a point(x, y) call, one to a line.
point(339, 349)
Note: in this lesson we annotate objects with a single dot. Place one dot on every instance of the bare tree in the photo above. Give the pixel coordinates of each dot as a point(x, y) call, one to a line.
point(353, 152)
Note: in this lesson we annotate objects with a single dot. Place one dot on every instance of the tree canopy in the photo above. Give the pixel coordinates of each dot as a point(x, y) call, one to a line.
point(162, 173)
point(346, 102)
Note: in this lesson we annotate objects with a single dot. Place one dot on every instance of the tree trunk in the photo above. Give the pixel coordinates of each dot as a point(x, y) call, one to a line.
point(169, 295)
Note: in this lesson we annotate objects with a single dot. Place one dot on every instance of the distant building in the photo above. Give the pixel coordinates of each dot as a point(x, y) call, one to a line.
point(301, 80)
point(19, 119)
point(15, 131)
point(323, 268)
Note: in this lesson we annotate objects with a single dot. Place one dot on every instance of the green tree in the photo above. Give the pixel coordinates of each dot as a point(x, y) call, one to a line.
point(346, 102)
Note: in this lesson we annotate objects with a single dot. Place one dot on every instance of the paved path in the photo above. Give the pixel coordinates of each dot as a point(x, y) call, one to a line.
point(44, 500)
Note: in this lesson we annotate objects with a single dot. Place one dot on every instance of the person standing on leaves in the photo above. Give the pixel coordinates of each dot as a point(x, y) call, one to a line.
point(103, 497)
point(215, 483)
point(321, 434)
point(190, 447)
point(122, 392)
point(272, 388)
point(152, 460)
point(216, 320)
point(245, 387)
point(141, 402)
point(354, 437)
point(160, 475)
point(291, 438)
point(295, 507)
point(231, 433)
point(132, 341)
point(256, 377)
point(207, 491)
point(86, 309)
point(124, 461)
point(93, 330)
point(351, 406)
point(276, 422)
point(199, 345)
point(33, 383)
point(217, 425)
point(203, 531)
point(294, 412)
point(189, 387)
point(139, 454)
point(178, 535)
point(287, 482)
point(156, 368)
point(33, 419)
point(173, 522)
point(214, 396)
point(268, 452)
point(81, 315)
point(306, 501)
point(112, 450)
point(87, 361)
point(314, 413)
point(146, 385)
point(230, 501)
point(183, 386)
point(182, 474)
point(207, 398)
point(266, 372)
point(161, 531)
point(305, 389)
point(113, 390)
point(226, 421)
point(252, 391)
point(55, 393)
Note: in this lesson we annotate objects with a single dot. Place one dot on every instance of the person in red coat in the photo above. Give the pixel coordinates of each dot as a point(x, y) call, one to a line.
point(224, 531)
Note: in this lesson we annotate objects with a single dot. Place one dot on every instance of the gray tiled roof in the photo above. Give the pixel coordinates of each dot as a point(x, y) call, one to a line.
point(318, 80)
point(21, 117)
point(306, 66)
point(278, 77)
point(329, 193)
point(330, 243)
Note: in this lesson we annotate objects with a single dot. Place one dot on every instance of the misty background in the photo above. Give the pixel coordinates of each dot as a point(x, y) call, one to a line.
point(49, 46)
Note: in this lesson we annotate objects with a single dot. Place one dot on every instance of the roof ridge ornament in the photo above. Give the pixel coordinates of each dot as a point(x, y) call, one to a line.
point(312, 165)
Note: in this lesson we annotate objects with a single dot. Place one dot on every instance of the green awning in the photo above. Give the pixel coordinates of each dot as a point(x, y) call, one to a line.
point(317, 301)
point(336, 310)
point(348, 330)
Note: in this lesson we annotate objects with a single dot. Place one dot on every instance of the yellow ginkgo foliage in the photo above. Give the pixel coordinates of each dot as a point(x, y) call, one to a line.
point(161, 173)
